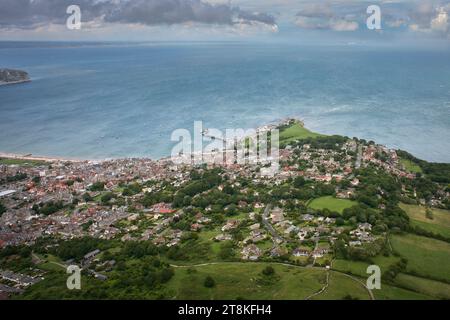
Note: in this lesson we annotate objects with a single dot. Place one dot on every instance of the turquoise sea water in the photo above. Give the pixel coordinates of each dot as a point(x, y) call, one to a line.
point(108, 101)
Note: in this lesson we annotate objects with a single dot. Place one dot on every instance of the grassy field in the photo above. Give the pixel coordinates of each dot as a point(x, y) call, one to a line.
point(429, 287)
point(331, 203)
point(411, 166)
point(296, 132)
point(50, 263)
point(244, 280)
point(409, 287)
point(359, 268)
point(342, 286)
point(426, 257)
point(388, 292)
point(440, 224)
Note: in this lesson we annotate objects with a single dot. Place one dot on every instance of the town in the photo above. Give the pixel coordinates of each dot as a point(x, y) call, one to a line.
point(332, 196)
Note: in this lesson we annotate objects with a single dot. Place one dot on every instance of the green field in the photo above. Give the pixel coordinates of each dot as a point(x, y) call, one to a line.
point(388, 292)
point(427, 257)
point(359, 268)
point(440, 224)
point(342, 286)
point(429, 287)
point(245, 280)
point(412, 290)
point(331, 203)
point(411, 166)
point(50, 263)
point(296, 132)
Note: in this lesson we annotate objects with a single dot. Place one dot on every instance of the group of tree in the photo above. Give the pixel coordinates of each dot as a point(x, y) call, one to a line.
point(21, 260)
point(394, 269)
point(363, 253)
point(77, 248)
point(97, 186)
point(377, 187)
point(132, 189)
point(436, 172)
point(299, 189)
point(107, 197)
point(136, 249)
point(199, 183)
point(152, 198)
point(48, 208)
point(334, 142)
point(17, 177)
point(392, 217)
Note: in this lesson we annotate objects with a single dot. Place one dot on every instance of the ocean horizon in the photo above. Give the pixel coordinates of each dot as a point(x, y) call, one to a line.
point(109, 100)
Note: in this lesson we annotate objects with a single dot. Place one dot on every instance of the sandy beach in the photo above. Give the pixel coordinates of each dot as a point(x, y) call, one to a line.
point(32, 157)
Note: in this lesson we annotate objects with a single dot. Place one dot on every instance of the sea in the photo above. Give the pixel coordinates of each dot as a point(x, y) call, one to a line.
point(120, 100)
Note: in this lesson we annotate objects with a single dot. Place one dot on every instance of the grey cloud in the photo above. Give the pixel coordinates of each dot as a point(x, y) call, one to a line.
point(256, 17)
point(154, 12)
point(316, 10)
point(330, 15)
point(344, 15)
point(28, 13)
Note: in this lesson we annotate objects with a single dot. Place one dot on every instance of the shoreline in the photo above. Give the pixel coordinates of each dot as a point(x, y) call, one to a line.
point(51, 159)
point(31, 157)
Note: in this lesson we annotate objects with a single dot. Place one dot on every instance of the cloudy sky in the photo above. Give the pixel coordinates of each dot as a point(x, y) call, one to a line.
point(141, 20)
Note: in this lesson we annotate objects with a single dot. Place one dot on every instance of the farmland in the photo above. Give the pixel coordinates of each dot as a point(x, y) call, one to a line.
point(439, 222)
point(427, 257)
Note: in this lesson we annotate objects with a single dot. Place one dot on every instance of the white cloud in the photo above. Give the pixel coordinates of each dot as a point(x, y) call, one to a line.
point(440, 22)
point(344, 25)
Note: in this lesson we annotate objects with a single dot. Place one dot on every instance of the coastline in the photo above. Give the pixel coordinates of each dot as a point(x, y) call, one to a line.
point(51, 159)
point(30, 157)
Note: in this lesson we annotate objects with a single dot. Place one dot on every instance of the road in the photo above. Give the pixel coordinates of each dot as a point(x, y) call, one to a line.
point(327, 284)
point(269, 226)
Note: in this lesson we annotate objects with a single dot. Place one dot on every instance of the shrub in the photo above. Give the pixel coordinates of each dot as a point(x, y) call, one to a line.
point(268, 271)
point(209, 282)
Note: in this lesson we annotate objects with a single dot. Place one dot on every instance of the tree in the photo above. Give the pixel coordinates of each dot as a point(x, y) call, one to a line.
point(48, 208)
point(87, 197)
point(226, 251)
point(429, 214)
point(2, 209)
point(107, 197)
point(98, 186)
point(231, 210)
point(166, 274)
point(209, 282)
point(132, 190)
point(340, 222)
point(299, 182)
point(268, 271)
point(36, 179)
